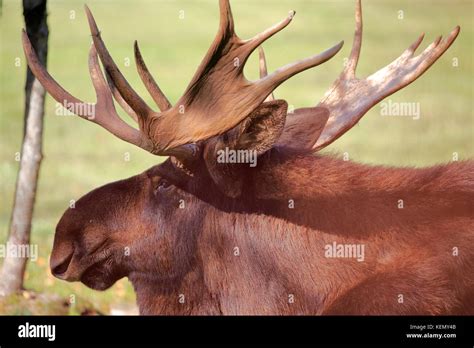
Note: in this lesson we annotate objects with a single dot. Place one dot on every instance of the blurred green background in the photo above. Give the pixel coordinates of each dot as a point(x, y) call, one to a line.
point(174, 36)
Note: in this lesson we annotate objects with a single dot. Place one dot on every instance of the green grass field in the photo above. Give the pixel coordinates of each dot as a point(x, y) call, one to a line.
point(79, 156)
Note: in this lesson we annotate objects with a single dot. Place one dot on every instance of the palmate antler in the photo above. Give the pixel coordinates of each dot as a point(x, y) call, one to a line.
point(217, 98)
point(349, 98)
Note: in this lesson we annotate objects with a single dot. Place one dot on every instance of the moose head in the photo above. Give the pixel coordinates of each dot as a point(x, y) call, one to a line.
point(171, 225)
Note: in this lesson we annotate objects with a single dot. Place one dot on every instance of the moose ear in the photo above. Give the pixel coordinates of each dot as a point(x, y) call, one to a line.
point(303, 128)
point(262, 128)
point(255, 135)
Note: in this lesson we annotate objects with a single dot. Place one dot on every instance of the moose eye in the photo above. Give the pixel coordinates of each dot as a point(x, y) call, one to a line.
point(163, 186)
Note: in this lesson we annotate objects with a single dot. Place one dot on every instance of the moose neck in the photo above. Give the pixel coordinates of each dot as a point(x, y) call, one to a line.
point(254, 262)
point(346, 198)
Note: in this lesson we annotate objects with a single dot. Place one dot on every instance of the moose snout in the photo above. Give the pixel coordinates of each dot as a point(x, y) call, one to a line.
point(61, 261)
point(59, 266)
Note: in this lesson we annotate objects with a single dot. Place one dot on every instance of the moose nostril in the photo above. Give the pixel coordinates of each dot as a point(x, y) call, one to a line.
point(62, 267)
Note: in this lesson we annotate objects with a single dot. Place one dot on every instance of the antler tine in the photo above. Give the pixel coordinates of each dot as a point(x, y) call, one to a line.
point(357, 43)
point(349, 98)
point(411, 50)
point(263, 69)
point(105, 113)
point(257, 40)
point(149, 82)
point(119, 99)
point(273, 80)
point(262, 62)
point(49, 83)
point(226, 24)
point(127, 92)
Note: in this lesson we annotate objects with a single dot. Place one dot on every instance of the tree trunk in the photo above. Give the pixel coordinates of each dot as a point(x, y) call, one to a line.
point(13, 268)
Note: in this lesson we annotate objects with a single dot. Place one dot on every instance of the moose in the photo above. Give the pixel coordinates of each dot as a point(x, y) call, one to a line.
point(200, 236)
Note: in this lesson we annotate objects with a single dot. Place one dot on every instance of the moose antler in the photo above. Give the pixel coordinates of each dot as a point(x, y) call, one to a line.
point(350, 98)
point(263, 69)
point(149, 82)
point(218, 97)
